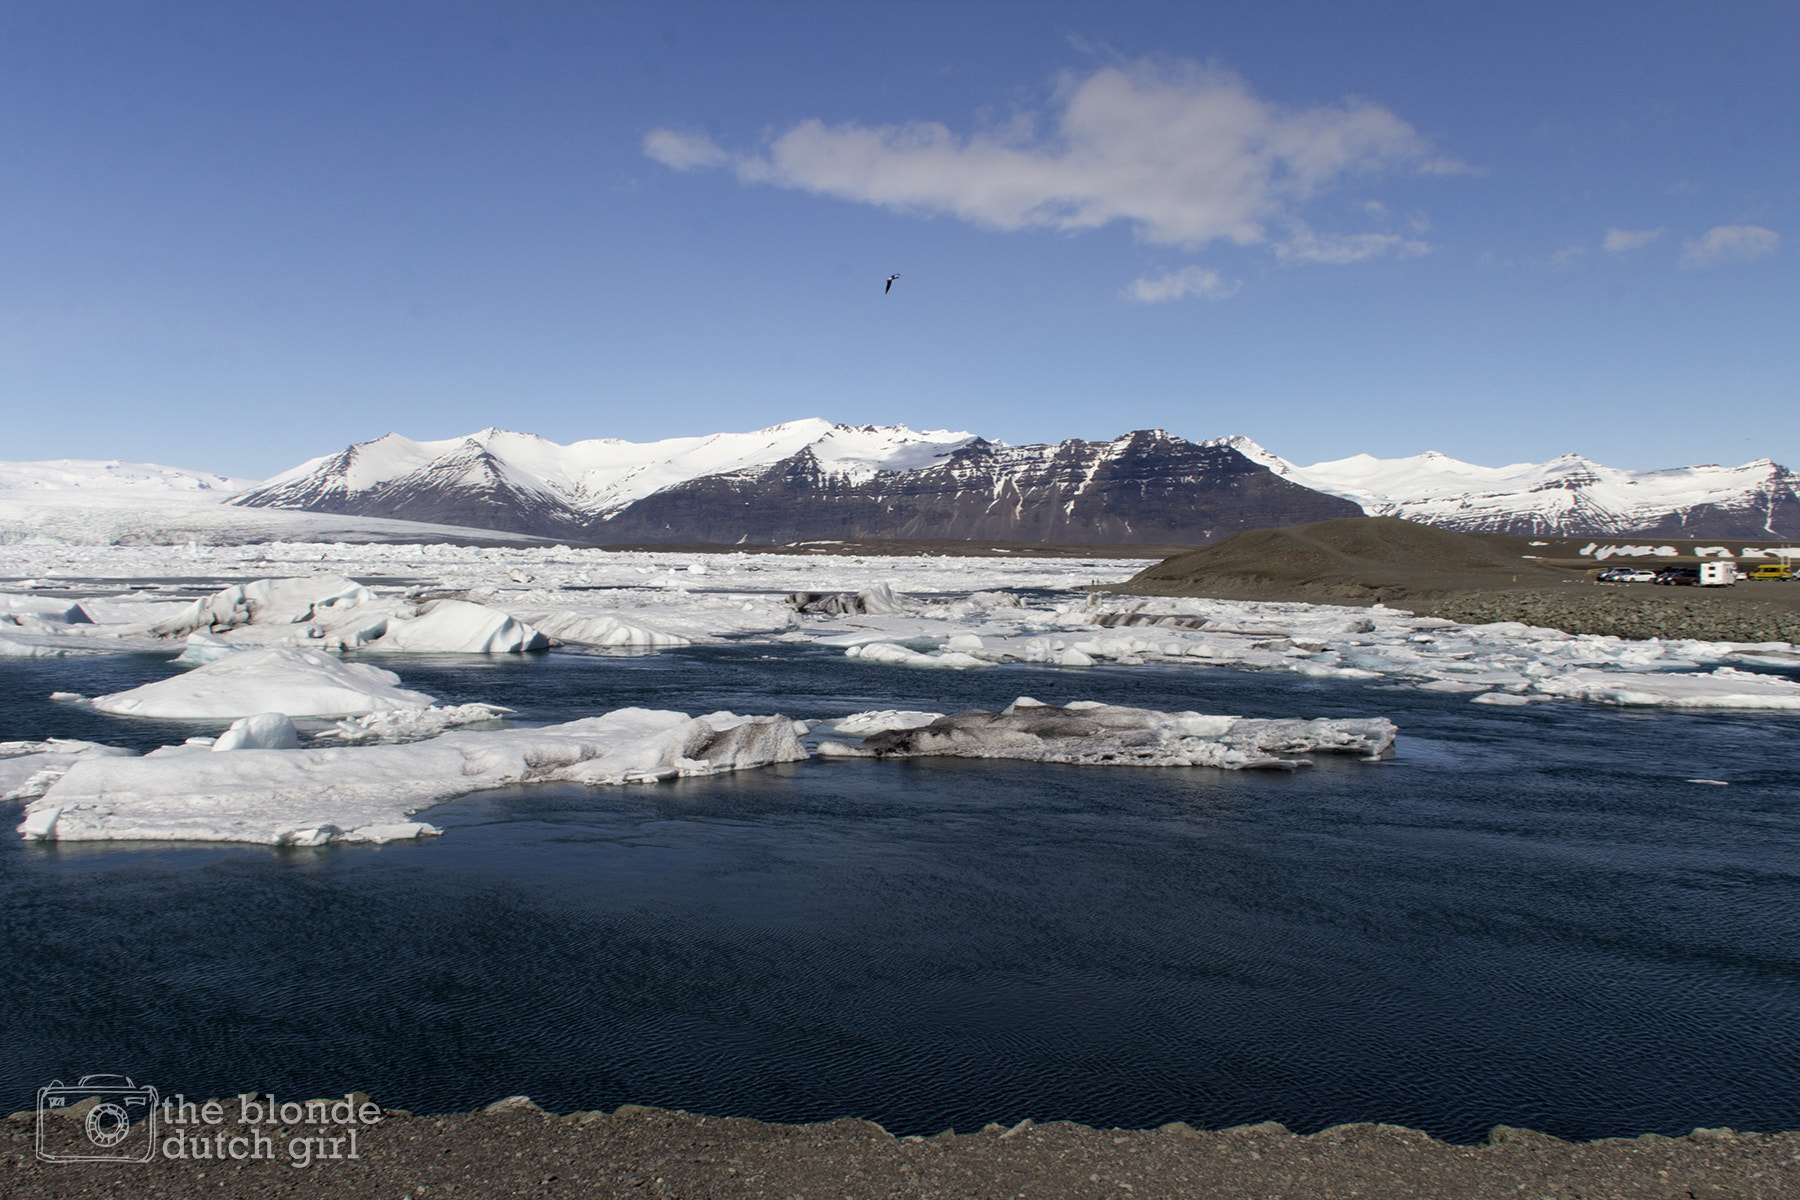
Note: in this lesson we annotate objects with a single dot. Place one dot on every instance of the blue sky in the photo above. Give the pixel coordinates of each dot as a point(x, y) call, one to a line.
point(233, 236)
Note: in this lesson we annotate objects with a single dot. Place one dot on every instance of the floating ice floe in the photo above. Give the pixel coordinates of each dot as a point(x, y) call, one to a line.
point(19, 648)
point(889, 652)
point(284, 679)
point(1725, 687)
point(600, 629)
point(412, 724)
point(1092, 734)
point(370, 793)
point(334, 613)
point(27, 769)
point(267, 602)
point(882, 720)
point(459, 627)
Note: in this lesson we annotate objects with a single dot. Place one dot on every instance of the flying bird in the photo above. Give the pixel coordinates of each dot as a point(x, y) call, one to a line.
point(890, 283)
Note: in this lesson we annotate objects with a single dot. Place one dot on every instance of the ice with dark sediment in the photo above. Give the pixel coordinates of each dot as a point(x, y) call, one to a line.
point(1088, 733)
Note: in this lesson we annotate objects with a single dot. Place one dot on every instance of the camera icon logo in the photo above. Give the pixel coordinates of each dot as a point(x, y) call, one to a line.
point(102, 1118)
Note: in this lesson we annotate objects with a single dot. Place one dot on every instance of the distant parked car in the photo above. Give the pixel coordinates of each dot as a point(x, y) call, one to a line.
point(1770, 571)
point(1635, 575)
point(1679, 576)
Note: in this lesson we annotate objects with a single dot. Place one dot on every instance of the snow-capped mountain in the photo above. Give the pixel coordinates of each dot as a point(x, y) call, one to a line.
point(1144, 488)
point(807, 479)
point(90, 501)
point(1566, 496)
point(813, 479)
point(520, 481)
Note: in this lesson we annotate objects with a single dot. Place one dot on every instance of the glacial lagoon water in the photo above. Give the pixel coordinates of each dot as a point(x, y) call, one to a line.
point(1528, 917)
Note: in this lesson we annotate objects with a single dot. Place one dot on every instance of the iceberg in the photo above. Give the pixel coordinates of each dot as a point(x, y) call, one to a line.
point(284, 679)
point(370, 793)
point(335, 613)
point(267, 602)
point(459, 627)
point(264, 731)
point(1088, 733)
point(871, 600)
point(600, 629)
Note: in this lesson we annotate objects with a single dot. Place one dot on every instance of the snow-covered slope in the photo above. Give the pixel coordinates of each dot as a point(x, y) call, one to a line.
point(540, 483)
point(1565, 496)
point(93, 502)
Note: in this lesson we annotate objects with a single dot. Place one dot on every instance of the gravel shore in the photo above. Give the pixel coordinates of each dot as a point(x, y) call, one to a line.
point(1751, 612)
point(647, 1152)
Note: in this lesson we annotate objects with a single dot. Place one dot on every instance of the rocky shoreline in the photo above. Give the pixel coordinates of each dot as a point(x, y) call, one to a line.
point(1635, 611)
point(512, 1148)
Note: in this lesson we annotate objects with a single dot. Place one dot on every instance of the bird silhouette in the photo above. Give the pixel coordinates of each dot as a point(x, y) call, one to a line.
point(890, 283)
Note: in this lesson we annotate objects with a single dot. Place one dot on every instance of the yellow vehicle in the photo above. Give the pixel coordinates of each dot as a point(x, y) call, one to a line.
point(1769, 571)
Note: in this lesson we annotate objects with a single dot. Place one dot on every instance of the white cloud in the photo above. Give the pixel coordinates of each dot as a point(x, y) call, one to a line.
point(1306, 245)
point(1189, 281)
point(1185, 156)
point(1730, 243)
point(1619, 241)
point(682, 151)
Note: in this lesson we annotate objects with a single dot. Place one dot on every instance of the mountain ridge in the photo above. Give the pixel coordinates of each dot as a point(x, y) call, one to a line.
point(815, 479)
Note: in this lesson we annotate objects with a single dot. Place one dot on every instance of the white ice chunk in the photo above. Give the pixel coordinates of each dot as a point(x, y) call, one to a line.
point(203, 647)
point(412, 724)
point(600, 629)
point(882, 720)
point(367, 793)
point(888, 652)
point(264, 731)
point(300, 683)
point(459, 627)
point(1725, 687)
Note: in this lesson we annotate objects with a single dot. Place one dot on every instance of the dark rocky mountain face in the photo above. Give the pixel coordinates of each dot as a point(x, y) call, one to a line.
point(1144, 488)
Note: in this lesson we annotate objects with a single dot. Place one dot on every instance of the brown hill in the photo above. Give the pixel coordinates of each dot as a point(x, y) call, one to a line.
point(1353, 559)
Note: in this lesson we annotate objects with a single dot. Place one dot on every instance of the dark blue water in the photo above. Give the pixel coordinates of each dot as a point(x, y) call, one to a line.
point(1528, 917)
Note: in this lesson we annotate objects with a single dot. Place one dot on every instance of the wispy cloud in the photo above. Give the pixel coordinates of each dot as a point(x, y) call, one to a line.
point(682, 151)
point(1621, 241)
point(1309, 246)
point(1184, 155)
point(1189, 281)
point(1724, 244)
